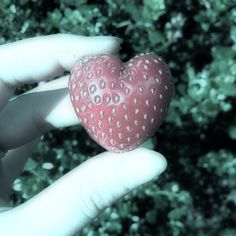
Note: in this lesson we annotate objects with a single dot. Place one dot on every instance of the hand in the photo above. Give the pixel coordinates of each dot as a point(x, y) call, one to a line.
point(73, 201)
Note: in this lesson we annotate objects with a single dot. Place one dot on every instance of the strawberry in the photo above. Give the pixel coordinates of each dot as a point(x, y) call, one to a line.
point(121, 104)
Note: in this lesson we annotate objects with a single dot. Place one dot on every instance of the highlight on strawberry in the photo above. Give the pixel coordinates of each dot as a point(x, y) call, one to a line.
point(121, 105)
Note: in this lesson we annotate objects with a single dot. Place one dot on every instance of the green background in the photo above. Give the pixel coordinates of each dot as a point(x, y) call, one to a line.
point(197, 193)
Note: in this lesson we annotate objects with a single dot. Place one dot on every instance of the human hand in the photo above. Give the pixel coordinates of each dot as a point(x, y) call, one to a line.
point(73, 201)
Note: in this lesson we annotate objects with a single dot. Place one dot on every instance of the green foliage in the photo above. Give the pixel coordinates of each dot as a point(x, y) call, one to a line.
point(197, 194)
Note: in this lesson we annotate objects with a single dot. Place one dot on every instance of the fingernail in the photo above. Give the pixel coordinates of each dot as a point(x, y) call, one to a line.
point(120, 40)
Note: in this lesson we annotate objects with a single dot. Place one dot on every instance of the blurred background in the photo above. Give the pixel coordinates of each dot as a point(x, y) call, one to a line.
point(197, 193)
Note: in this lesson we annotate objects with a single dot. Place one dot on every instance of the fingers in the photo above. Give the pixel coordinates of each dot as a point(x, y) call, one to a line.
point(12, 165)
point(36, 112)
point(40, 58)
point(78, 197)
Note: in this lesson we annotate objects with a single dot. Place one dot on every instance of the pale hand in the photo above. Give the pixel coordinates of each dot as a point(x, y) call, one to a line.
point(77, 198)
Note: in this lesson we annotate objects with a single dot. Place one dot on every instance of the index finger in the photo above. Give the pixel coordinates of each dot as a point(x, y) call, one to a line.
point(38, 58)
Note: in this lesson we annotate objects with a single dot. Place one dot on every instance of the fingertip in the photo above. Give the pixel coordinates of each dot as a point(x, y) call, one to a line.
point(149, 159)
point(73, 47)
point(157, 159)
point(139, 166)
point(105, 44)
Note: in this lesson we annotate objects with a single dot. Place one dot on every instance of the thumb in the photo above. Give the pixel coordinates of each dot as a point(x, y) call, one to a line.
point(110, 176)
point(78, 197)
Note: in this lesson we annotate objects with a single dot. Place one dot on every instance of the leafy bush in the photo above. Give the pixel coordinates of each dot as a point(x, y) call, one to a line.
point(197, 194)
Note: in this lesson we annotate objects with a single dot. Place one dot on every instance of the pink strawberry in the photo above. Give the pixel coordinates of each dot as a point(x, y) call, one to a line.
point(121, 105)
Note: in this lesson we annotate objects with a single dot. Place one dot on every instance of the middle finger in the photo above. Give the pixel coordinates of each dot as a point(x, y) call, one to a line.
point(30, 115)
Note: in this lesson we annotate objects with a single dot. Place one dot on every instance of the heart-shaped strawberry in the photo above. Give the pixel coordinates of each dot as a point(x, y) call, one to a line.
point(121, 105)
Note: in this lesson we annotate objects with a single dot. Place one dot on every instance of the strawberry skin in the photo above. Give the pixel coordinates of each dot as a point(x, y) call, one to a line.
point(121, 104)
